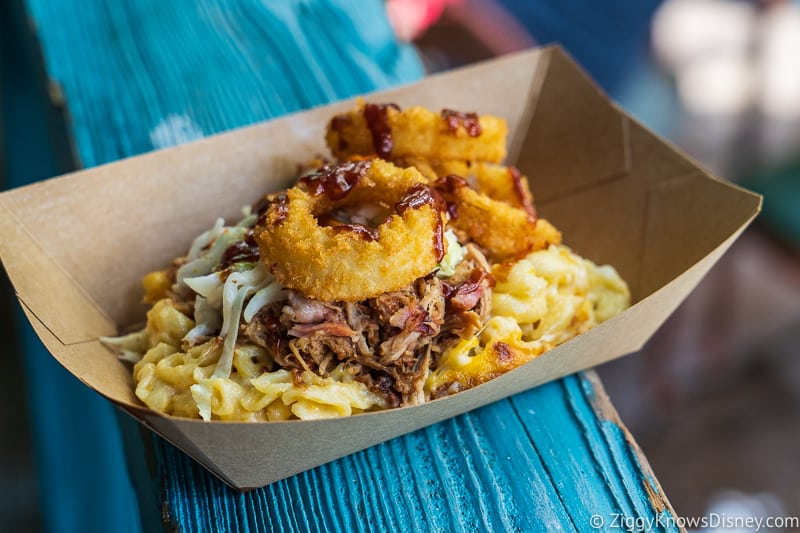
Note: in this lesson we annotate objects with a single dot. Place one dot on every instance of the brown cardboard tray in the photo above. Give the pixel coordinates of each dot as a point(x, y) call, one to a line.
point(76, 247)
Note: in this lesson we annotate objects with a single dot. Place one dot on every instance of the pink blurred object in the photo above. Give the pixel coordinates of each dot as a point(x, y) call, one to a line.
point(410, 18)
point(492, 24)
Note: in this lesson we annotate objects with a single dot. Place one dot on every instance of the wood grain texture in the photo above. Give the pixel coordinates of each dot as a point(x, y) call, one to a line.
point(544, 460)
point(146, 74)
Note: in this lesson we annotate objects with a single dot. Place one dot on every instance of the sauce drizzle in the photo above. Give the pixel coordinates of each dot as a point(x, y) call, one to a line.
point(338, 123)
point(245, 251)
point(470, 121)
point(365, 232)
point(274, 209)
point(378, 125)
point(336, 181)
point(519, 189)
point(465, 295)
point(417, 196)
point(447, 186)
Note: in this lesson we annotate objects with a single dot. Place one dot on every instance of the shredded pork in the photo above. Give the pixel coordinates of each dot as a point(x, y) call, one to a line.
point(388, 342)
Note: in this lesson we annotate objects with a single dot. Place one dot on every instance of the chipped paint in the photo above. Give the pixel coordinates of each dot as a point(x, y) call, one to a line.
point(173, 130)
point(613, 425)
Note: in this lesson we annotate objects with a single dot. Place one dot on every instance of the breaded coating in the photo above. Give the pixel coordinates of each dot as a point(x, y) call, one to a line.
point(352, 262)
point(545, 234)
point(502, 230)
point(388, 132)
point(501, 183)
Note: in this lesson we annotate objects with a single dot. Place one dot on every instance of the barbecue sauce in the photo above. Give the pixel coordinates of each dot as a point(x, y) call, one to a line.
point(378, 125)
point(524, 199)
point(418, 196)
point(447, 186)
point(336, 181)
point(338, 123)
point(244, 251)
point(469, 121)
point(276, 210)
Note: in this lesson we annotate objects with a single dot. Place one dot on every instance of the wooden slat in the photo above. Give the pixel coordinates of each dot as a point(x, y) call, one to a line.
point(143, 74)
point(546, 460)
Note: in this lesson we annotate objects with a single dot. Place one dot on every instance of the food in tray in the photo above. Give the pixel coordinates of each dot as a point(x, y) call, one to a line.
point(412, 267)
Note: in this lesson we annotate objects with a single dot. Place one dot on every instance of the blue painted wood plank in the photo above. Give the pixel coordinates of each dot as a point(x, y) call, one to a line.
point(68, 412)
point(145, 74)
point(529, 463)
point(128, 68)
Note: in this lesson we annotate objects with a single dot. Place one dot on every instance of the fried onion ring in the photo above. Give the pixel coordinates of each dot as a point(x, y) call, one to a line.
point(352, 262)
point(501, 183)
point(502, 230)
point(389, 133)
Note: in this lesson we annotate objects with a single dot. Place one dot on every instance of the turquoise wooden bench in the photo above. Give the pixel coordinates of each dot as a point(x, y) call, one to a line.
point(138, 75)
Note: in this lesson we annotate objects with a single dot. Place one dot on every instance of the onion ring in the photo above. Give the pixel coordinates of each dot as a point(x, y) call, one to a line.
point(502, 230)
point(352, 262)
point(502, 183)
point(386, 131)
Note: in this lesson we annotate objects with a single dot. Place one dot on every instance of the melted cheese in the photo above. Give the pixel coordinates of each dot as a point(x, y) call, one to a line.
point(539, 302)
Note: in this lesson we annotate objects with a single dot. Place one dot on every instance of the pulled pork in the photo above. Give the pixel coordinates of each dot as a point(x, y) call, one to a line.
point(389, 342)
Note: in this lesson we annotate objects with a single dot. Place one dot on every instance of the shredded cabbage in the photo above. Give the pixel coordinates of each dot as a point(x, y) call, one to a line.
point(128, 347)
point(219, 304)
point(204, 263)
point(207, 318)
point(454, 255)
point(272, 293)
point(249, 218)
point(205, 238)
point(201, 394)
point(209, 287)
point(238, 287)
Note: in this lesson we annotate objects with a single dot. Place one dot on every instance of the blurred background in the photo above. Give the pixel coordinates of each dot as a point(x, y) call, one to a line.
point(714, 398)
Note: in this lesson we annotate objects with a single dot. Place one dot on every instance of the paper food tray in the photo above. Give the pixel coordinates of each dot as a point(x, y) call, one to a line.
point(76, 247)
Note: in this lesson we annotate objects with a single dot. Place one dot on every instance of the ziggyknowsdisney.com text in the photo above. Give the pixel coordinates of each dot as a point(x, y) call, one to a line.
point(622, 522)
